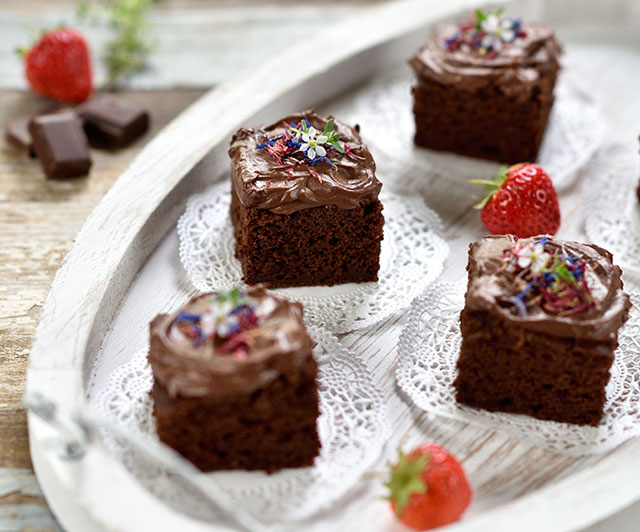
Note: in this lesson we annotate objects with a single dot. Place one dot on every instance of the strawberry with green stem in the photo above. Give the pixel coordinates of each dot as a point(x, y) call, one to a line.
point(428, 488)
point(521, 201)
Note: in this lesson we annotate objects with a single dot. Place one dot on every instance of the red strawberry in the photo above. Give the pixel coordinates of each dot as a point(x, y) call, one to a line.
point(58, 66)
point(428, 488)
point(521, 201)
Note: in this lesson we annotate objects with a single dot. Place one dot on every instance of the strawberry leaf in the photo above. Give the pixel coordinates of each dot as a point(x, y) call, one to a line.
point(491, 186)
point(406, 480)
point(483, 201)
point(486, 182)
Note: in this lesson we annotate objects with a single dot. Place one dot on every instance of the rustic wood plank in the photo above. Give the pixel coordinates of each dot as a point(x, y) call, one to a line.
point(21, 503)
point(38, 222)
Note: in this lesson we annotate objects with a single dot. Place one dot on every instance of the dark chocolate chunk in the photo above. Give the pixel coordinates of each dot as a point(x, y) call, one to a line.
point(17, 132)
point(18, 135)
point(60, 144)
point(112, 122)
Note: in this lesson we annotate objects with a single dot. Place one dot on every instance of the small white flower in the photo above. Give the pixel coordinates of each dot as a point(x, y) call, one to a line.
point(506, 23)
point(539, 262)
point(508, 35)
point(224, 307)
point(487, 41)
point(311, 146)
point(491, 23)
point(524, 260)
point(310, 134)
point(491, 42)
point(533, 256)
point(208, 323)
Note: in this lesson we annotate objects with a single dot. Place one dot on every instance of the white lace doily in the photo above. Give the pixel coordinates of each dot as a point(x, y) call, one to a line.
point(383, 108)
point(412, 257)
point(611, 207)
point(429, 348)
point(353, 429)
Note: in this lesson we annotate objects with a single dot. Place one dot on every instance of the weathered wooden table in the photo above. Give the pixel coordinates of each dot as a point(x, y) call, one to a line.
point(38, 220)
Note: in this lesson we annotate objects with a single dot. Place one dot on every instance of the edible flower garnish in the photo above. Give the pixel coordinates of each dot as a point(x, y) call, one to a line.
point(486, 34)
point(302, 143)
point(313, 140)
point(551, 279)
point(230, 315)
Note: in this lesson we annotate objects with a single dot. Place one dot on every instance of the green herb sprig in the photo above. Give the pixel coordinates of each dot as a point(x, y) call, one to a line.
point(132, 43)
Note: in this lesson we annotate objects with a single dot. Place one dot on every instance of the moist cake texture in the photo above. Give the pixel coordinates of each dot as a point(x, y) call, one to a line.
point(235, 382)
point(485, 87)
point(304, 205)
point(539, 328)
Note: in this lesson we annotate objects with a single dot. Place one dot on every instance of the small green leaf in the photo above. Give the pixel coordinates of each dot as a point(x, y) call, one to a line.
point(406, 480)
point(491, 186)
point(564, 273)
point(485, 199)
point(329, 127)
point(337, 147)
point(486, 182)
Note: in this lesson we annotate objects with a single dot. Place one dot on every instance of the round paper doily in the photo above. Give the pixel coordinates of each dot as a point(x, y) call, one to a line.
point(611, 206)
point(412, 257)
point(353, 429)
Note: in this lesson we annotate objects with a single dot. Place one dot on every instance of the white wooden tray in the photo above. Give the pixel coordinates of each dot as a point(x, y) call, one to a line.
point(124, 268)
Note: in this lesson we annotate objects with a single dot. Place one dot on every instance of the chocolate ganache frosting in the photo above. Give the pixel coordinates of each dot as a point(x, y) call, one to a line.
point(262, 177)
point(516, 68)
point(493, 286)
point(189, 363)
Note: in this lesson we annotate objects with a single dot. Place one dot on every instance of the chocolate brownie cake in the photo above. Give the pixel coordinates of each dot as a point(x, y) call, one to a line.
point(485, 87)
point(304, 203)
point(235, 382)
point(539, 328)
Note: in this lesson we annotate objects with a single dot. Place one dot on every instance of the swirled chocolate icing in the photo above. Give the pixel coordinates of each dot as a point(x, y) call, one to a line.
point(491, 286)
point(260, 182)
point(516, 69)
point(278, 344)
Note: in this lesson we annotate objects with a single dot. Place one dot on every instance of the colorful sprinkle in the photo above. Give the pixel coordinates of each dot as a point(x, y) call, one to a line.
point(304, 144)
point(486, 34)
point(230, 316)
point(551, 279)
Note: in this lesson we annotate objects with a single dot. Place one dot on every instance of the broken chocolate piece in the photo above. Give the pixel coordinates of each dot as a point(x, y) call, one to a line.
point(18, 135)
point(60, 144)
point(112, 122)
point(17, 132)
